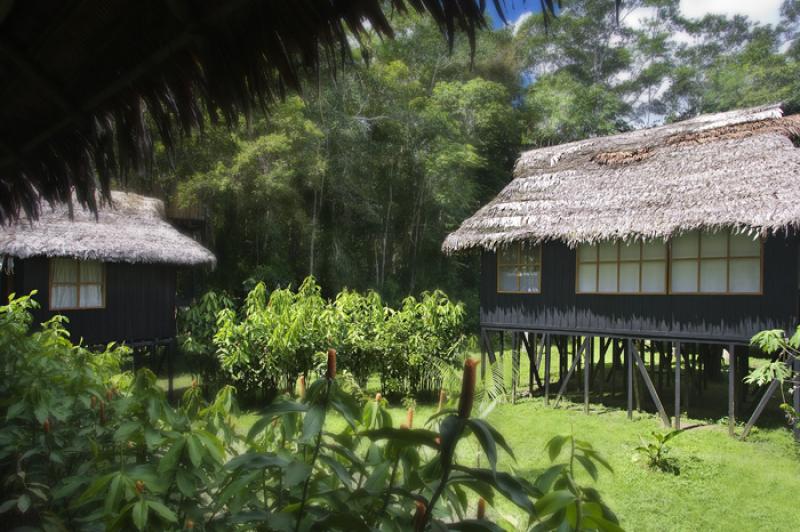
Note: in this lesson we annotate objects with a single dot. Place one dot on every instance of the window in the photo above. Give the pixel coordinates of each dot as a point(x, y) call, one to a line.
point(622, 268)
point(519, 268)
point(76, 284)
point(715, 263)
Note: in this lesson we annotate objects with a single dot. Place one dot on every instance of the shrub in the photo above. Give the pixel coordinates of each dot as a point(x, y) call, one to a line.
point(198, 325)
point(84, 446)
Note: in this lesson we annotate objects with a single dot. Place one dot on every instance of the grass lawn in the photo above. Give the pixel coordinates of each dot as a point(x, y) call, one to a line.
point(724, 484)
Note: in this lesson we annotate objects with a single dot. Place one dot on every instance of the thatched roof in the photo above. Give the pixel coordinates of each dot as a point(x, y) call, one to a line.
point(80, 77)
point(130, 229)
point(739, 169)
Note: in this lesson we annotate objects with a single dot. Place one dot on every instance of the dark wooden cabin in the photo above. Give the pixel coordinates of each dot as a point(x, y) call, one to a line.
point(676, 240)
point(113, 276)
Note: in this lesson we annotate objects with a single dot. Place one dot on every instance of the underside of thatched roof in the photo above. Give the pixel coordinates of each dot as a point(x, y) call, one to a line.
point(129, 228)
point(85, 82)
point(739, 169)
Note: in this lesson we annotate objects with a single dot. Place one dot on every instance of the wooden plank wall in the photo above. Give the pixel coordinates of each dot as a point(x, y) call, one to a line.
point(724, 318)
point(140, 302)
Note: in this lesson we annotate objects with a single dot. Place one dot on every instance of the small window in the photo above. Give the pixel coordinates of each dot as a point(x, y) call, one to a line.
point(622, 268)
point(519, 268)
point(76, 284)
point(715, 263)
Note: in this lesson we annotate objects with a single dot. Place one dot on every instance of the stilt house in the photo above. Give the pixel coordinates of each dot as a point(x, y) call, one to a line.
point(113, 275)
point(683, 235)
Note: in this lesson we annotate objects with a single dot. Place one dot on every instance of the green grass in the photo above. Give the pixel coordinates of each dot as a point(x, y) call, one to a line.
point(723, 484)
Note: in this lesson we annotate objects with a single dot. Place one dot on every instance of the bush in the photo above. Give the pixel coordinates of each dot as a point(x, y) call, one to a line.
point(84, 446)
point(274, 338)
point(198, 325)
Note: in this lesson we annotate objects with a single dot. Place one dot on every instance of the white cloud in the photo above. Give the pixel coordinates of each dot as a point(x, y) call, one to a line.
point(520, 19)
point(763, 11)
point(637, 17)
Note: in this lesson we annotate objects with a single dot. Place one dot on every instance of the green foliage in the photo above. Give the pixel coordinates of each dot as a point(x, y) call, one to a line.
point(655, 451)
point(274, 338)
point(197, 325)
point(87, 447)
point(786, 354)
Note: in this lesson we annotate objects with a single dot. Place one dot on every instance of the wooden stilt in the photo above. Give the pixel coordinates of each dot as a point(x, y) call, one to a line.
point(629, 379)
point(572, 369)
point(483, 354)
point(548, 345)
point(760, 407)
point(796, 397)
point(588, 356)
point(171, 369)
point(514, 366)
point(676, 357)
point(731, 389)
point(650, 387)
point(602, 365)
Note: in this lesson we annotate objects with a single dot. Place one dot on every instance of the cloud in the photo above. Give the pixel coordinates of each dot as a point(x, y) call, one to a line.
point(763, 11)
point(520, 19)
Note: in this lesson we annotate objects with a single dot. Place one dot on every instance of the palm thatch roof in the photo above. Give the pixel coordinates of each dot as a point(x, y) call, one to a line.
point(131, 228)
point(739, 169)
point(84, 83)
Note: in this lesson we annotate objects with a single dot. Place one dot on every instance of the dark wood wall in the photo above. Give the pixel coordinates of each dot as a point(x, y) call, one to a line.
point(701, 317)
point(140, 302)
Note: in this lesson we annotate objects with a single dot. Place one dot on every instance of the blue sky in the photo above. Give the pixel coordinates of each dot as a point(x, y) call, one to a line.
point(513, 9)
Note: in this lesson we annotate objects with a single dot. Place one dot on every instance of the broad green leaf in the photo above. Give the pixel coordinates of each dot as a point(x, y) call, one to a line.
point(163, 512)
point(505, 483)
point(23, 503)
point(170, 459)
point(404, 436)
point(195, 449)
point(279, 408)
point(555, 445)
point(312, 423)
point(296, 473)
point(185, 483)
point(139, 514)
point(94, 488)
point(378, 479)
point(588, 465)
point(486, 440)
point(553, 502)
point(338, 469)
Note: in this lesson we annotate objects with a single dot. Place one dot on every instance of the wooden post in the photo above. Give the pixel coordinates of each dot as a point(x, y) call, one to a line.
point(629, 371)
point(650, 387)
point(170, 368)
point(531, 359)
point(796, 397)
point(514, 366)
point(731, 389)
point(602, 365)
point(760, 407)
point(676, 356)
point(588, 355)
point(548, 344)
point(483, 355)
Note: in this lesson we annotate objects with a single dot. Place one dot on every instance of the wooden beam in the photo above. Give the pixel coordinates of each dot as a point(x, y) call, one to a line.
point(629, 374)
point(676, 356)
point(514, 365)
point(650, 387)
point(731, 389)
point(760, 407)
point(548, 345)
point(796, 397)
point(588, 355)
point(575, 359)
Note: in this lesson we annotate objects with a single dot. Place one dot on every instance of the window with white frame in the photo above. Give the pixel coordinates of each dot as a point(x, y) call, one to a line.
point(715, 263)
point(622, 268)
point(519, 268)
point(76, 284)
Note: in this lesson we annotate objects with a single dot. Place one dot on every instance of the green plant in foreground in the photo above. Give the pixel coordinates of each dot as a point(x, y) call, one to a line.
point(786, 352)
point(84, 446)
point(655, 451)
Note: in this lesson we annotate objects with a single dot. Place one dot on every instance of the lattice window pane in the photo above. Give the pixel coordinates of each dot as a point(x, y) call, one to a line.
point(608, 251)
point(656, 249)
point(507, 280)
point(529, 279)
point(91, 296)
point(607, 281)
point(64, 296)
point(745, 275)
point(713, 275)
point(508, 254)
point(629, 277)
point(714, 244)
point(684, 276)
point(745, 246)
point(65, 271)
point(685, 245)
point(587, 253)
point(91, 272)
point(587, 278)
point(654, 277)
point(629, 251)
